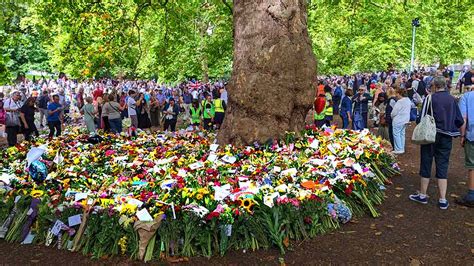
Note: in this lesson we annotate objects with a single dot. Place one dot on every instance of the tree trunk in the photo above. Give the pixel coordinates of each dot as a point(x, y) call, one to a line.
point(274, 68)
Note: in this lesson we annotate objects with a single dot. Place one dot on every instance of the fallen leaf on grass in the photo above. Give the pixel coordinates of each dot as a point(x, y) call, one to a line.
point(399, 188)
point(286, 241)
point(437, 234)
point(454, 195)
point(462, 183)
point(177, 259)
point(34, 261)
point(398, 216)
point(415, 262)
point(398, 195)
point(373, 227)
point(469, 224)
point(389, 226)
point(347, 232)
point(378, 233)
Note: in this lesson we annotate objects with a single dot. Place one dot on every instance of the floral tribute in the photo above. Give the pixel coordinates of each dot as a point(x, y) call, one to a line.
point(160, 195)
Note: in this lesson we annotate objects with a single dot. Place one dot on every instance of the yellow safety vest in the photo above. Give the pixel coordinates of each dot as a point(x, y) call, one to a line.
point(218, 108)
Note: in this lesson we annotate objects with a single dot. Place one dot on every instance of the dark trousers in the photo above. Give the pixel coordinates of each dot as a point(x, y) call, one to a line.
point(27, 133)
point(440, 151)
point(390, 134)
point(207, 123)
point(54, 125)
point(12, 133)
point(170, 123)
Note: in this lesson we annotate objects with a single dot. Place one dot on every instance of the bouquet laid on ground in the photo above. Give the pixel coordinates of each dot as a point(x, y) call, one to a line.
point(161, 195)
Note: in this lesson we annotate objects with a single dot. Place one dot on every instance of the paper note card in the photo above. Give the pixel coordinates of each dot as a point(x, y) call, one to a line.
point(74, 220)
point(214, 147)
point(80, 196)
point(144, 216)
point(229, 159)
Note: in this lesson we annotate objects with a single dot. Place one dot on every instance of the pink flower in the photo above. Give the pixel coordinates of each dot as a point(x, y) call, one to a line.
point(110, 153)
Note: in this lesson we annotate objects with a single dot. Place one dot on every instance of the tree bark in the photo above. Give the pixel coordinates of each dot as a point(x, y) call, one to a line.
point(274, 68)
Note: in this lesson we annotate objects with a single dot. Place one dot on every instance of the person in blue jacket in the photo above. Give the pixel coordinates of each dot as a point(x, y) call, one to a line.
point(346, 109)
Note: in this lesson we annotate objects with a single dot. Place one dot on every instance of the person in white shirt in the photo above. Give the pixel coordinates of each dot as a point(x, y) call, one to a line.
point(132, 106)
point(12, 107)
point(400, 118)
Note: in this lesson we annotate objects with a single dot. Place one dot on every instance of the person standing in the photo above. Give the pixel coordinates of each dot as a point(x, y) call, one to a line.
point(196, 114)
point(170, 112)
point(208, 112)
point(329, 110)
point(448, 120)
point(187, 100)
point(346, 109)
point(400, 118)
point(361, 108)
point(104, 113)
point(466, 105)
point(337, 97)
point(223, 92)
point(219, 112)
point(43, 107)
point(54, 117)
point(89, 112)
point(12, 108)
point(142, 112)
point(27, 116)
point(132, 108)
point(391, 101)
point(113, 111)
point(155, 111)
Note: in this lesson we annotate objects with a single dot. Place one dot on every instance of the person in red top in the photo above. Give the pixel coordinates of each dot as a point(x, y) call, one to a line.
point(98, 92)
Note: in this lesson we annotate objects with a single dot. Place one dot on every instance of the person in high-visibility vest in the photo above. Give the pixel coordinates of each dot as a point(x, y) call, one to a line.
point(196, 114)
point(329, 111)
point(219, 109)
point(319, 110)
point(208, 112)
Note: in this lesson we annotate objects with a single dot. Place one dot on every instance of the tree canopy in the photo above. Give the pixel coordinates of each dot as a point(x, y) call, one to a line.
point(172, 40)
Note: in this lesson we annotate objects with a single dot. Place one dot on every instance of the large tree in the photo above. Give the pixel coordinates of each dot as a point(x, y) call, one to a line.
point(273, 72)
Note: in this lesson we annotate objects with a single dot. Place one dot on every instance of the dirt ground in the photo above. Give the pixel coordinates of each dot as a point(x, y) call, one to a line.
point(406, 232)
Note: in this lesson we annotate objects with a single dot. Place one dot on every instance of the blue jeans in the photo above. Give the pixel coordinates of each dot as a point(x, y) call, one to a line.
point(399, 137)
point(345, 122)
point(116, 125)
point(440, 151)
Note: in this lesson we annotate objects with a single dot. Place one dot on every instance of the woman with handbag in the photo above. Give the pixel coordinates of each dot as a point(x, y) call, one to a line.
point(89, 112)
point(12, 122)
point(448, 119)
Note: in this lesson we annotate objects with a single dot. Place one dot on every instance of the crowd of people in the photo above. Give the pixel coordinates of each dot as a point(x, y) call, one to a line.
point(384, 102)
point(104, 104)
point(387, 102)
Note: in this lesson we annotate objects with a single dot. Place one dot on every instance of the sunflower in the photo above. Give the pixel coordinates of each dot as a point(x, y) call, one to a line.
point(247, 204)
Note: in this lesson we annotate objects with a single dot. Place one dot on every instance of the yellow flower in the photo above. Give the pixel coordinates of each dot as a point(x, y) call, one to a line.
point(76, 160)
point(36, 193)
point(199, 196)
point(129, 208)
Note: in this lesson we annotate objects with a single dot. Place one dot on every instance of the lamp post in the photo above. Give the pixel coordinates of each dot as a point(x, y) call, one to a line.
point(415, 23)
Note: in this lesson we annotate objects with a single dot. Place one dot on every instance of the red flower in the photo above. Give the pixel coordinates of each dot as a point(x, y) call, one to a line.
point(349, 189)
point(308, 220)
